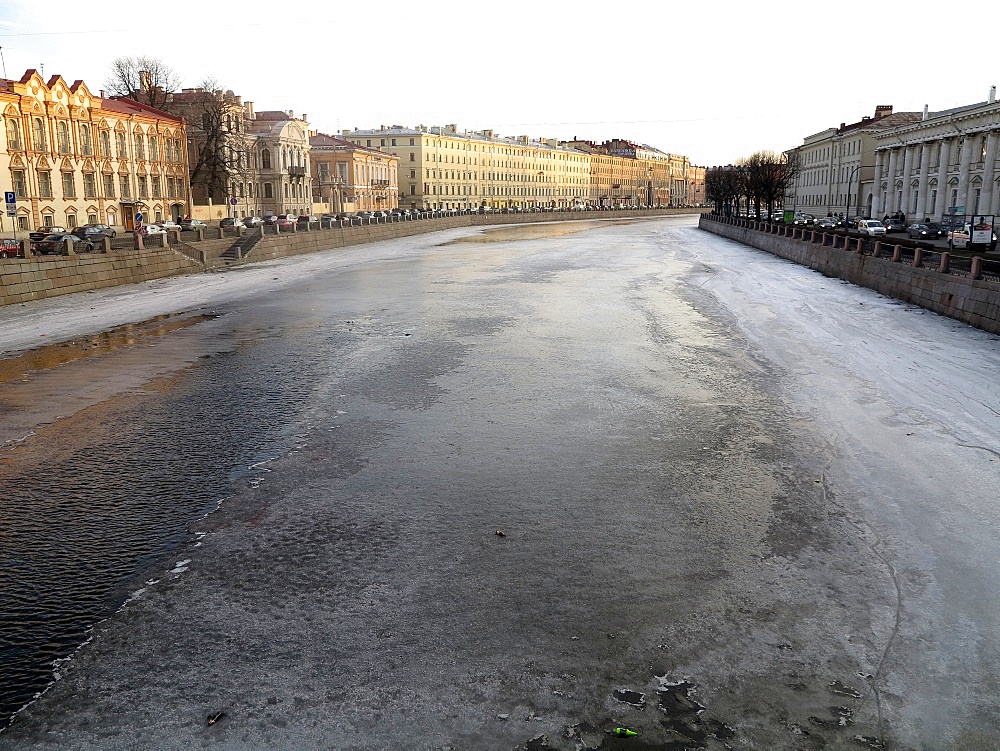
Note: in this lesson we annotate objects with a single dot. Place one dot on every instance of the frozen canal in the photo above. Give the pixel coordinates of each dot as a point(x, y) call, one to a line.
point(496, 489)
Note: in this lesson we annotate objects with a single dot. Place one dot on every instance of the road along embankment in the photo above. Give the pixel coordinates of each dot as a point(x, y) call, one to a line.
point(876, 265)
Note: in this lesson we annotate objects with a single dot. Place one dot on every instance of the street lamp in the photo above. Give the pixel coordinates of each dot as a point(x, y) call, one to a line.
point(850, 184)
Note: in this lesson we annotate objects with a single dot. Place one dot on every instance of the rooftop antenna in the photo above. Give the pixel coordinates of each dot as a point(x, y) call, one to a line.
point(4, 63)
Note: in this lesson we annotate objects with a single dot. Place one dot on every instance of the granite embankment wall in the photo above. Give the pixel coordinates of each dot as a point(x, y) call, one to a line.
point(40, 277)
point(23, 279)
point(973, 301)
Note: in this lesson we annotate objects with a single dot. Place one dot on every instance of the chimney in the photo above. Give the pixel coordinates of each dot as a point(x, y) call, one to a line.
point(993, 94)
point(925, 113)
point(291, 114)
point(305, 116)
point(249, 110)
point(102, 93)
point(883, 110)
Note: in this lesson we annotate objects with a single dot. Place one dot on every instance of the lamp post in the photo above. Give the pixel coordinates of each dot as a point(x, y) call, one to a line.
point(850, 184)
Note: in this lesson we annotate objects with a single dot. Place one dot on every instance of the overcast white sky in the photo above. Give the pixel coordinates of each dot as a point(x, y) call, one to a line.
point(713, 81)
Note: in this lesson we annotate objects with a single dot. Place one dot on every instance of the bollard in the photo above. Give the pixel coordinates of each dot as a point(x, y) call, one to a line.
point(203, 256)
point(26, 248)
point(976, 272)
point(877, 251)
point(945, 263)
point(163, 239)
point(105, 244)
point(200, 234)
point(897, 253)
point(139, 244)
point(68, 247)
point(918, 257)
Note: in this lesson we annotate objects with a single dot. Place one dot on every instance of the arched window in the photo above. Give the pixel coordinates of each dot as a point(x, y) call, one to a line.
point(268, 190)
point(62, 133)
point(105, 140)
point(265, 159)
point(154, 149)
point(38, 134)
point(13, 134)
point(140, 146)
point(122, 150)
point(86, 145)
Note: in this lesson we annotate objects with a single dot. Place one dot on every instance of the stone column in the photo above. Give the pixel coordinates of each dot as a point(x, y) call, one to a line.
point(890, 189)
point(963, 173)
point(925, 168)
point(908, 152)
point(943, 201)
point(877, 208)
point(986, 199)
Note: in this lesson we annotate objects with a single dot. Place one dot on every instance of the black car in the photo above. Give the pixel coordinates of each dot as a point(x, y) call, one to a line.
point(56, 245)
point(42, 232)
point(894, 224)
point(924, 231)
point(93, 233)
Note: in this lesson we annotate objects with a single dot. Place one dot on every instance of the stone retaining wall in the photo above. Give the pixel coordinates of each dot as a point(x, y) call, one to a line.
point(972, 301)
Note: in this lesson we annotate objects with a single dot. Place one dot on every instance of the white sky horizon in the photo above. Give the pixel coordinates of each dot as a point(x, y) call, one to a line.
point(714, 83)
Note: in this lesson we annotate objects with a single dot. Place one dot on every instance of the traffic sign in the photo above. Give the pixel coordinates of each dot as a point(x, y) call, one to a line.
point(232, 201)
point(9, 197)
point(138, 218)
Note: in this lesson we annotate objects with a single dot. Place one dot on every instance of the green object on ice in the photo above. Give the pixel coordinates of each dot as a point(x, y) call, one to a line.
point(625, 732)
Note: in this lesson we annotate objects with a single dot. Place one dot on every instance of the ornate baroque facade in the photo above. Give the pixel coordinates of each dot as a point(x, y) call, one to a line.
point(347, 177)
point(74, 158)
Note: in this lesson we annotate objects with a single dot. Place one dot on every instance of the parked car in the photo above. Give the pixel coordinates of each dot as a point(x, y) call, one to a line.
point(42, 232)
point(252, 221)
point(364, 216)
point(803, 220)
point(105, 228)
point(55, 244)
point(271, 219)
point(921, 231)
point(894, 224)
point(10, 248)
point(151, 229)
point(170, 224)
point(963, 237)
point(305, 220)
point(192, 224)
point(92, 233)
point(828, 222)
point(871, 227)
point(231, 222)
point(284, 221)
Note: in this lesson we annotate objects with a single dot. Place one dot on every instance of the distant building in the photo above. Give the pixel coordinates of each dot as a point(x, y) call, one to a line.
point(73, 158)
point(347, 177)
point(283, 150)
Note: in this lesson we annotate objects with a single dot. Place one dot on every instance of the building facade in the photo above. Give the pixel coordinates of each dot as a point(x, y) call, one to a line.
point(347, 177)
point(282, 149)
point(440, 167)
point(941, 163)
point(73, 158)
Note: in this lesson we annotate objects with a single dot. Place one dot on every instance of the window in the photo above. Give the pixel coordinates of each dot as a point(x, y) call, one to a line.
point(178, 154)
point(154, 149)
point(86, 145)
point(120, 141)
point(393, 141)
point(47, 220)
point(143, 187)
point(109, 186)
point(89, 185)
point(70, 220)
point(933, 201)
point(156, 186)
point(413, 157)
point(265, 158)
point(20, 189)
point(45, 184)
point(411, 142)
point(22, 222)
point(38, 134)
point(69, 189)
point(13, 135)
point(140, 146)
point(126, 184)
point(268, 190)
point(105, 144)
point(413, 173)
point(91, 218)
point(62, 131)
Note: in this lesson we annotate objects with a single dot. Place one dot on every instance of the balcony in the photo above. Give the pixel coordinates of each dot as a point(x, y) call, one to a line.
point(296, 171)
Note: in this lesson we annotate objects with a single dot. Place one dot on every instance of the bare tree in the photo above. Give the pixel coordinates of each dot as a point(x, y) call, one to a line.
point(147, 80)
point(767, 175)
point(723, 187)
point(222, 160)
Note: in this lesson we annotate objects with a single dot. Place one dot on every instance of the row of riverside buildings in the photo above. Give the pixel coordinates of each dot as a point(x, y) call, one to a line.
point(920, 164)
point(71, 157)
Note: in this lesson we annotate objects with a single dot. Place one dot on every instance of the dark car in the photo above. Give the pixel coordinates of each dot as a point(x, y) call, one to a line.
point(828, 222)
point(93, 233)
point(305, 220)
point(231, 222)
point(894, 224)
point(106, 229)
point(42, 232)
point(922, 231)
point(10, 248)
point(56, 244)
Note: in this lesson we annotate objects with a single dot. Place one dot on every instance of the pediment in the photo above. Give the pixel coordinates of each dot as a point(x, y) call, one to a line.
point(17, 162)
point(66, 165)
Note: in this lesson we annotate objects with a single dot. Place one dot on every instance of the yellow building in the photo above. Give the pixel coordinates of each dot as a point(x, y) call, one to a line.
point(74, 158)
point(440, 167)
point(348, 177)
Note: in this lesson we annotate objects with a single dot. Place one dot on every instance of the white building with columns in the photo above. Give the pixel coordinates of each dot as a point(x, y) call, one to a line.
point(943, 163)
